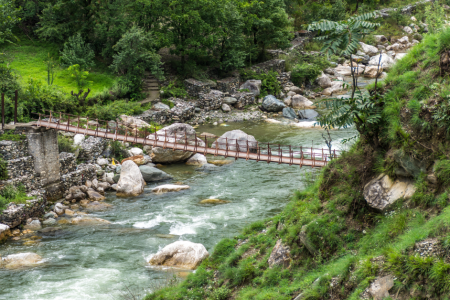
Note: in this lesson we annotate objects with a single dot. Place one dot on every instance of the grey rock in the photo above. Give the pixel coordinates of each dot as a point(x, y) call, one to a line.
point(280, 255)
point(230, 100)
point(408, 167)
point(160, 107)
point(116, 178)
point(49, 221)
point(272, 104)
point(303, 236)
point(289, 113)
point(236, 137)
point(131, 182)
point(226, 107)
point(379, 289)
point(254, 86)
point(307, 114)
point(151, 174)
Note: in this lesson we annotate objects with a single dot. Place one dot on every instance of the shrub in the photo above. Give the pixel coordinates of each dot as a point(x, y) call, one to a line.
point(77, 52)
point(113, 110)
point(174, 90)
point(442, 170)
point(117, 150)
point(14, 194)
point(65, 144)
point(8, 81)
point(221, 293)
point(10, 136)
point(269, 82)
point(305, 73)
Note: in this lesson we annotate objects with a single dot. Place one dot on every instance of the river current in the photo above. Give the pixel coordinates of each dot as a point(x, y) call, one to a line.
point(97, 262)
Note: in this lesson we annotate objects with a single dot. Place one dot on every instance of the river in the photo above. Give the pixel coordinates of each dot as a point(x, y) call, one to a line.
point(97, 262)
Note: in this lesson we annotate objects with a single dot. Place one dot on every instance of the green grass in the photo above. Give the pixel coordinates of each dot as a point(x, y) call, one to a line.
point(28, 60)
point(13, 194)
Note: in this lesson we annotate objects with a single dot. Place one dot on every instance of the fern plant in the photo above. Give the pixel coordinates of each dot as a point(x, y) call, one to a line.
point(343, 37)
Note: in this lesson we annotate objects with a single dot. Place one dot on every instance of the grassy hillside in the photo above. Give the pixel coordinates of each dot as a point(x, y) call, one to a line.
point(29, 57)
point(338, 245)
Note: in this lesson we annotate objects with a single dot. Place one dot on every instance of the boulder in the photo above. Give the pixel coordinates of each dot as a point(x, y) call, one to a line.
point(20, 260)
point(368, 49)
point(272, 104)
point(33, 225)
point(134, 122)
point(287, 101)
point(84, 203)
point(69, 212)
point(295, 90)
point(380, 38)
point(254, 86)
point(324, 81)
point(386, 61)
point(169, 188)
point(102, 161)
point(213, 201)
point(151, 174)
point(408, 30)
point(49, 221)
point(229, 100)
point(95, 196)
point(303, 237)
point(136, 151)
point(197, 160)
point(403, 40)
point(347, 70)
point(131, 182)
point(160, 107)
point(381, 192)
point(4, 232)
point(138, 159)
point(78, 139)
point(181, 130)
point(59, 208)
point(289, 113)
point(109, 178)
point(226, 107)
point(298, 101)
point(280, 255)
point(91, 148)
point(372, 71)
point(98, 206)
point(236, 137)
point(408, 166)
point(181, 254)
point(379, 289)
point(85, 220)
point(307, 114)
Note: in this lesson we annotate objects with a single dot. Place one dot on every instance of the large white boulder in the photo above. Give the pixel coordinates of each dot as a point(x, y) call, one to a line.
point(382, 192)
point(131, 182)
point(181, 131)
point(372, 71)
point(300, 102)
point(336, 86)
point(136, 151)
point(133, 122)
point(324, 81)
point(368, 49)
point(386, 61)
point(235, 138)
point(347, 70)
point(20, 260)
point(181, 254)
point(197, 160)
point(78, 139)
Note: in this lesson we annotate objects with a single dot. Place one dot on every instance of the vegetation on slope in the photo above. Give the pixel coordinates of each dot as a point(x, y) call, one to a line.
point(349, 244)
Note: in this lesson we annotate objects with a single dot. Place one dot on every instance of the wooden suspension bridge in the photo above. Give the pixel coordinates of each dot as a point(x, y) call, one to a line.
point(217, 146)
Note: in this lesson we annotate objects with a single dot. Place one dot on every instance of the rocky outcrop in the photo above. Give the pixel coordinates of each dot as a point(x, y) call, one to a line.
point(131, 182)
point(181, 254)
point(91, 148)
point(165, 188)
point(272, 104)
point(381, 192)
point(20, 260)
point(151, 174)
point(379, 289)
point(280, 255)
point(236, 138)
point(15, 214)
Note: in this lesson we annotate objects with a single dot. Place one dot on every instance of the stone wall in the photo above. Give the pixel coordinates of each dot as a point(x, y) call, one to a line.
point(67, 163)
point(277, 65)
point(13, 149)
point(182, 111)
point(243, 99)
point(92, 148)
point(210, 101)
point(195, 87)
point(83, 172)
point(15, 215)
point(228, 85)
point(30, 182)
point(284, 78)
point(20, 167)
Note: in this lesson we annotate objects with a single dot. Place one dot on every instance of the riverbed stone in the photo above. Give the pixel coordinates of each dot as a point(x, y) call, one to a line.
point(5, 232)
point(49, 221)
point(151, 174)
point(230, 100)
point(138, 159)
point(181, 254)
point(236, 137)
point(307, 114)
point(86, 220)
point(213, 201)
point(368, 49)
point(131, 182)
point(289, 112)
point(95, 196)
point(33, 225)
point(280, 255)
point(197, 160)
point(298, 101)
point(20, 260)
point(98, 206)
point(381, 192)
point(272, 104)
point(169, 188)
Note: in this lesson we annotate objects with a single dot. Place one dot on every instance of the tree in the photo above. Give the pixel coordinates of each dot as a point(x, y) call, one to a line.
point(135, 53)
point(77, 52)
point(8, 18)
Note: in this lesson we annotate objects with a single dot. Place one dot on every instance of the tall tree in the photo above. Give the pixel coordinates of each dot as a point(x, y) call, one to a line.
point(8, 18)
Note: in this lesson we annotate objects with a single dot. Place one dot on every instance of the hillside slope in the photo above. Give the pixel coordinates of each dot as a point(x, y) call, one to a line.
point(330, 242)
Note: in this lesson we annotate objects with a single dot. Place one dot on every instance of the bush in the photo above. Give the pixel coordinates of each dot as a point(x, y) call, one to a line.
point(305, 73)
point(14, 194)
point(113, 110)
point(10, 136)
point(269, 82)
point(174, 90)
point(65, 144)
point(77, 52)
point(8, 81)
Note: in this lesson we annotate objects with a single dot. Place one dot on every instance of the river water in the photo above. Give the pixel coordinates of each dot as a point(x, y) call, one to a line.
point(97, 262)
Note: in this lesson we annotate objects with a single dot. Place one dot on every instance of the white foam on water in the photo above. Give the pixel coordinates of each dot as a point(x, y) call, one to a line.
point(152, 223)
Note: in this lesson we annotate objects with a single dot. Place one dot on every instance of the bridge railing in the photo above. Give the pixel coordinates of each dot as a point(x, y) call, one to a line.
point(138, 134)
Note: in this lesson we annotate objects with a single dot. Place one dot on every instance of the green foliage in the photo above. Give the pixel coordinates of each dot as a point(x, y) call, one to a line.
point(435, 16)
point(305, 73)
point(117, 149)
point(3, 169)
point(422, 197)
point(343, 37)
point(8, 81)
point(79, 75)
point(10, 193)
point(442, 171)
point(221, 293)
point(174, 89)
point(269, 82)
point(223, 249)
point(9, 17)
point(135, 52)
point(51, 71)
point(77, 52)
point(113, 110)
point(10, 136)
point(65, 144)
